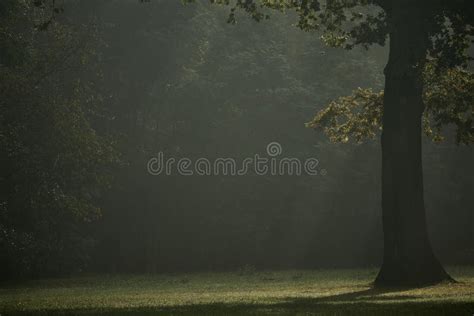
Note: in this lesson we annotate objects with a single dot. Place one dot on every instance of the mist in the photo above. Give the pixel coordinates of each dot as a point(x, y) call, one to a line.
point(132, 133)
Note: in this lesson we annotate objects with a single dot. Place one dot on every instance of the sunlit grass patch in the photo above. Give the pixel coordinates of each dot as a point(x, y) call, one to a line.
point(317, 292)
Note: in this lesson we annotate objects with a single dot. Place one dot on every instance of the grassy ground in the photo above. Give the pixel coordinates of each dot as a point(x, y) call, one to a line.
point(324, 292)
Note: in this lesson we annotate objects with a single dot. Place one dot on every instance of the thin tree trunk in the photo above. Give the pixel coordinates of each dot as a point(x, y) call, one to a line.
point(408, 256)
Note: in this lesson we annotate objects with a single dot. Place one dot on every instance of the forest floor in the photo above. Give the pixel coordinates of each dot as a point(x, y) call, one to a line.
point(246, 292)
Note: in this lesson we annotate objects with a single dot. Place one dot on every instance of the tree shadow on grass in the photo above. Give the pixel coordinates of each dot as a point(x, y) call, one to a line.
point(368, 302)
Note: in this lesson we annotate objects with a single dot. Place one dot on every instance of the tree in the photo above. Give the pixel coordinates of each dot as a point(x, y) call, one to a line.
point(55, 163)
point(418, 31)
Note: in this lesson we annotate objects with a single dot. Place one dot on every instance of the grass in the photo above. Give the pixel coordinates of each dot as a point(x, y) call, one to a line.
point(320, 292)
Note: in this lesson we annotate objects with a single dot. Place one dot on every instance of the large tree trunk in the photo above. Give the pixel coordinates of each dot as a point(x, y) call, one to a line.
point(408, 256)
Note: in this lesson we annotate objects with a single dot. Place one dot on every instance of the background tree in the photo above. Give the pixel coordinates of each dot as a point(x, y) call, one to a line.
point(55, 163)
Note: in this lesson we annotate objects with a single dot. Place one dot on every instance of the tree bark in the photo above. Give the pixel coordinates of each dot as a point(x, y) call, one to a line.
point(408, 256)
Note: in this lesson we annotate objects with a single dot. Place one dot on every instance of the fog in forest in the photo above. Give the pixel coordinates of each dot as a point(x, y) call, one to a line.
point(110, 86)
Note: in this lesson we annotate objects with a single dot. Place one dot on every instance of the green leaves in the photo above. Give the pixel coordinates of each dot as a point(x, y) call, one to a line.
point(448, 97)
point(449, 101)
point(344, 23)
point(358, 117)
